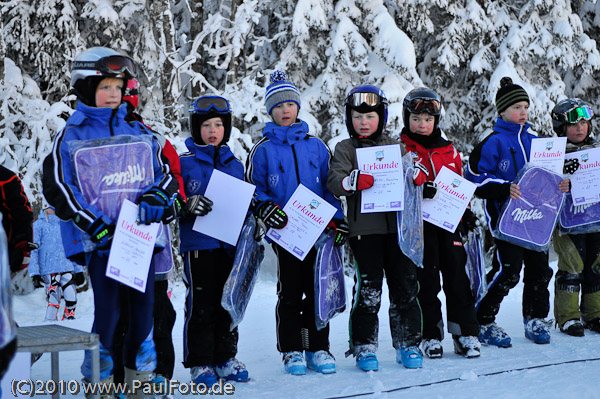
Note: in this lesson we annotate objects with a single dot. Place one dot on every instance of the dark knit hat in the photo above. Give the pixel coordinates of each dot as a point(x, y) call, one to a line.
point(280, 91)
point(508, 94)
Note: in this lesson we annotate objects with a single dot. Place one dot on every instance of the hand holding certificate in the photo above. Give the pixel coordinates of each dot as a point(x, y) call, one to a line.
point(454, 194)
point(132, 248)
point(384, 163)
point(308, 215)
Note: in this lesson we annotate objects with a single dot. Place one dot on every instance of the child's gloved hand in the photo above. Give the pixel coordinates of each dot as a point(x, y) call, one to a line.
point(153, 204)
point(37, 281)
point(357, 180)
point(429, 190)
point(174, 211)
point(571, 166)
point(272, 215)
point(341, 231)
point(469, 220)
point(101, 232)
point(198, 205)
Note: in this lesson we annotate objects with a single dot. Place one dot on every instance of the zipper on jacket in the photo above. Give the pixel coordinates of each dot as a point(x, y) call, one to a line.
point(514, 158)
point(110, 121)
point(296, 164)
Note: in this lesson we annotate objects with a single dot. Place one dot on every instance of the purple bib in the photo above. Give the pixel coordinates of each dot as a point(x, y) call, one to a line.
point(529, 220)
point(108, 174)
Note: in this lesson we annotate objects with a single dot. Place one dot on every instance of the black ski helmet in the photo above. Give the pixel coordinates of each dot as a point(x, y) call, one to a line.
point(95, 64)
point(570, 110)
point(421, 100)
point(363, 99)
point(207, 107)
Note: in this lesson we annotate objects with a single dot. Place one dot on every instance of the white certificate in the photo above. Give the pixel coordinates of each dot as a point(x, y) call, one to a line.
point(585, 182)
point(385, 164)
point(132, 248)
point(454, 194)
point(308, 215)
point(549, 153)
point(231, 198)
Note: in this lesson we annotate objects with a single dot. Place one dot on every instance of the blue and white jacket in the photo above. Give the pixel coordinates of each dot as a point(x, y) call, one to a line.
point(60, 186)
point(50, 256)
point(494, 163)
point(197, 167)
point(285, 157)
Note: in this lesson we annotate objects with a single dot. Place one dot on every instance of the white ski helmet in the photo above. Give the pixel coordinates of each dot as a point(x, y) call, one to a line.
point(94, 64)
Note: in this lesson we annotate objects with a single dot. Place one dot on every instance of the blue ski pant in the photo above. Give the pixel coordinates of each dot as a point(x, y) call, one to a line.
point(107, 308)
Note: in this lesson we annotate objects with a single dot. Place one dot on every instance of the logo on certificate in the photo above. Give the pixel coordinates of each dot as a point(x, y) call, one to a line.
point(585, 157)
point(455, 183)
point(298, 251)
point(314, 204)
point(115, 271)
point(379, 155)
point(138, 281)
point(549, 145)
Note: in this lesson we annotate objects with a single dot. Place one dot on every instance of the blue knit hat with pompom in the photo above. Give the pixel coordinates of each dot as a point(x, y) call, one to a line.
point(281, 91)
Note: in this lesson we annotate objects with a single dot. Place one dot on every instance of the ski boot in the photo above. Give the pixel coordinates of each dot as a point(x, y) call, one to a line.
point(593, 325)
point(467, 346)
point(537, 330)
point(573, 328)
point(294, 363)
point(432, 348)
point(493, 334)
point(367, 361)
point(410, 357)
point(321, 361)
point(204, 375)
point(232, 370)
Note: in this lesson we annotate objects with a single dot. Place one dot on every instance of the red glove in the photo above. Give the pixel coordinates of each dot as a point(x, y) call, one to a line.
point(357, 180)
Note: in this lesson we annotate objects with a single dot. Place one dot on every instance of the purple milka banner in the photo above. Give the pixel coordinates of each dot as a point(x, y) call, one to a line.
point(579, 219)
point(529, 220)
point(330, 293)
point(110, 173)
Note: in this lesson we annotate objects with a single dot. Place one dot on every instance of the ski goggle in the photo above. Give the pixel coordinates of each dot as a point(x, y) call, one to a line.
point(420, 105)
point(370, 99)
point(114, 64)
point(576, 114)
point(208, 103)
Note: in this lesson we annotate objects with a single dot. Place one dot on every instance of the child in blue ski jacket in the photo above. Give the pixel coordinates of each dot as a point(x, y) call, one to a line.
point(88, 191)
point(209, 346)
point(284, 158)
point(49, 263)
point(493, 166)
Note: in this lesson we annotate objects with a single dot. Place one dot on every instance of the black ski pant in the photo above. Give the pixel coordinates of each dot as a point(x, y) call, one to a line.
point(505, 273)
point(164, 319)
point(207, 338)
point(375, 255)
point(295, 311)
point(444, 252)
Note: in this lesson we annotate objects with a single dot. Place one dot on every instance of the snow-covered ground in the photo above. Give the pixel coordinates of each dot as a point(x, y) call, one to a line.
point(526, 370)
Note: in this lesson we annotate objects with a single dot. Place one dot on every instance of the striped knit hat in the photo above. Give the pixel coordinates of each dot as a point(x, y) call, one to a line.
point(508, 94)
point(280, 91)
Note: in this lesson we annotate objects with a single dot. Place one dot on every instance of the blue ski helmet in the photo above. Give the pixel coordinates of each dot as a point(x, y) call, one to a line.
point(207, 107)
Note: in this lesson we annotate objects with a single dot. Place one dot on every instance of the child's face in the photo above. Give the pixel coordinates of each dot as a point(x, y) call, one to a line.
point(212, 131)
point(516, 113)
point(577, 132)
point(108, 93)
point(285, 114)
point(365, 124)
point(421, 123)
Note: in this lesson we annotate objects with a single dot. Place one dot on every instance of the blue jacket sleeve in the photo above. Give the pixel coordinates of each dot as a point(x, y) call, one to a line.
point(482, 170)
point(256, 173)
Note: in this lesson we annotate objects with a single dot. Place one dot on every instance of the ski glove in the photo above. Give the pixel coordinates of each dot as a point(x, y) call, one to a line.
point(153, 204)
point(272, 215)
point(357, 180)
point(571, 166)
point(20, 256)
point(101, 232)
point(198, 205)
point(37, 281)
point(173, 211)
point(429, 190)
point(340, 227)
point(469, 220)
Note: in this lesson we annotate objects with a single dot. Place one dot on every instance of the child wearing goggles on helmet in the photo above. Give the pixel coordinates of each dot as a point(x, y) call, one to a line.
point(444, 251)
point(284, 158)
point(374, 241)
point(493, 166)
point(81, 187)
point(209, 347)
point(578, 254)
